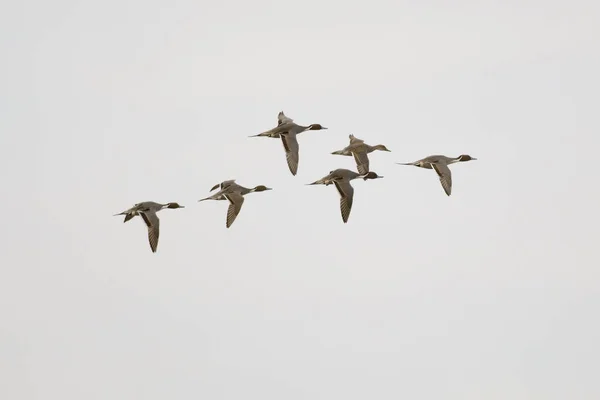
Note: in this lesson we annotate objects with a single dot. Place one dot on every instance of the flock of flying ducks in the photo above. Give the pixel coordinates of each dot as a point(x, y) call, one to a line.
point(287, 130)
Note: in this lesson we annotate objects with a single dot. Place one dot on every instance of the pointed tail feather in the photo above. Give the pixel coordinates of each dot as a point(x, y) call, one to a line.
point(266, 134)
point(319, 182)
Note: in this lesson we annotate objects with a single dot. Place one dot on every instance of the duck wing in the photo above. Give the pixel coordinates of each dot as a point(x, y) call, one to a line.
point(236, 201)
point(346, 192)
point(354, 140)
point(445, 176)
point(223, 184)
point(130, 215)
point(282, 118)
point(362, 161)
point(290, 144)
point(153, 224)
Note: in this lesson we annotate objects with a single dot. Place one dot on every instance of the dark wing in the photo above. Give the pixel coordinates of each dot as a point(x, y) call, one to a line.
point(153, 224)
point(290, 144)
point(129, 216)
point(362, 161)
point(235, 205)
point(346, 196)
point(445, 176)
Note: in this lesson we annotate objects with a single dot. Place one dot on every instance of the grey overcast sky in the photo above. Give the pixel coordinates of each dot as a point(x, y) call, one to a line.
point(492, 293)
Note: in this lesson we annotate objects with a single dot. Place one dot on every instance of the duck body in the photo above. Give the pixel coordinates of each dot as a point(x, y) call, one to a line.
point(341, 179)
point(440, 164)
point(147, 211)
point(234, 193)
point(360, 150)
point(287, 130)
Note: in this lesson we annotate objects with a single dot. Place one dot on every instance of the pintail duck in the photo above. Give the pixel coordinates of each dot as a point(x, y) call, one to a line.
point(359, 149)
point(287, 130)
point(341, 179)
point(147, 210)
point(440, 165)
point(230, 190)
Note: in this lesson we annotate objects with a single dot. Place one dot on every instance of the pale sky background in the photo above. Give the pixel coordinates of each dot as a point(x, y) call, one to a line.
point(492, 293)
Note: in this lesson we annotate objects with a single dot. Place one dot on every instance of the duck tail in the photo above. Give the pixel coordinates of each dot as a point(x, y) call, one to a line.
point(263, 134)
point(206, 198)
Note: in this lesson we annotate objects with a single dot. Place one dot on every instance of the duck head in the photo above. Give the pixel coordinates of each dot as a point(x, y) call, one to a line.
point(465, 157)
point(315, 127)
point(381, 147)
point(371, 175)
point(261, 188)
point(173, 205)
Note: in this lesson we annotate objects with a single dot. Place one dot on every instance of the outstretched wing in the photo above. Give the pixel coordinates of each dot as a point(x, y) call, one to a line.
point(235, 205)
point(346, 192)
point(355, 140)
point(362, 161)
point(282, 119)
point(153, 224)
point(129, 216)
point(445, 176)
point(290, 144)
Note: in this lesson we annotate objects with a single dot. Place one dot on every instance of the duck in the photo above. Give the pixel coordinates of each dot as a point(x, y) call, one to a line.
point(147, 210)
point(234, 193)
point(341, 179)
point(287, 130)
point(440, 164)
point(359, 149)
